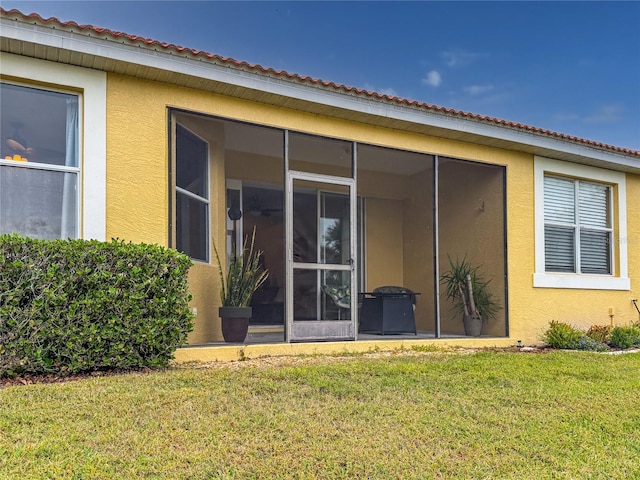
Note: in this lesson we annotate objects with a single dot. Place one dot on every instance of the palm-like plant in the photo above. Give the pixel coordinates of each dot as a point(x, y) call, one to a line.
point(468, 290)
point(244, 275)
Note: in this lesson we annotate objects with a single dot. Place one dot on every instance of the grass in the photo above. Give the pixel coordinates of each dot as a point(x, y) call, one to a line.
point(561, 415)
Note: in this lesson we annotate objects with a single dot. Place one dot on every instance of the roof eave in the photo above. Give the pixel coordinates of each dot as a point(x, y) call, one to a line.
point(147, 60)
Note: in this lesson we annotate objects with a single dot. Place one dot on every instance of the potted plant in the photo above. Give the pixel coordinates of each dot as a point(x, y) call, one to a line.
point(469, 292)
point(244, 276)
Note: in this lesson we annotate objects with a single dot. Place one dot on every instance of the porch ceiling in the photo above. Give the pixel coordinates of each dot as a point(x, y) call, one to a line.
point(165, 67)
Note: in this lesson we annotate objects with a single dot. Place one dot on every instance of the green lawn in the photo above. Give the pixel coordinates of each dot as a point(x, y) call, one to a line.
point(426, 415)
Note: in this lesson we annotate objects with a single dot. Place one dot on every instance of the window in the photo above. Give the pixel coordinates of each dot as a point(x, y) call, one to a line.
point(39, 162)
point(192, 194)
point(577, 227)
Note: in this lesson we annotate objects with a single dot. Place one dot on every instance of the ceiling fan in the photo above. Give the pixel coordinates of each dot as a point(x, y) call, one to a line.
point(254, 205)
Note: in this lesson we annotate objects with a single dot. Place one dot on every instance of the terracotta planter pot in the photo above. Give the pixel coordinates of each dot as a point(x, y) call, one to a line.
point(472, 325)
point(235, 323)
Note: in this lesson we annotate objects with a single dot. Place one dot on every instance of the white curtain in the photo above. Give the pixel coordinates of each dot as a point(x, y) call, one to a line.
point(69, 221)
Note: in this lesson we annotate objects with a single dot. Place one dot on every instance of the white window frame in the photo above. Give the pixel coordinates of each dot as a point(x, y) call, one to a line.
point(234, 243)
point(619, 278)
point(51, 167)
point(204, 200)
point(91, 87)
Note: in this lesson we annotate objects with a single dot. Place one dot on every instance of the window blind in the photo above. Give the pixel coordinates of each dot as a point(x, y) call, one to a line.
point(577, 229)
point(559, 249)
point(594, 214)
point(559, 200)
point(559, 230)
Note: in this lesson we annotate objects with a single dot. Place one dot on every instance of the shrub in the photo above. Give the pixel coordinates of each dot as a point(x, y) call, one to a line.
point(587, 343)
point(600, 333)
point(68, 306)
point(564, 336)
point(626, 336)
point(561, 335)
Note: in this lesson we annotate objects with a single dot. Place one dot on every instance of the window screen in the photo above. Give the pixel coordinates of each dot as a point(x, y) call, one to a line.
point(192, 194)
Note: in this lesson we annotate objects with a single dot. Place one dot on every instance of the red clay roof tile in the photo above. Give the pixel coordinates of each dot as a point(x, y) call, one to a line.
point(110, 34)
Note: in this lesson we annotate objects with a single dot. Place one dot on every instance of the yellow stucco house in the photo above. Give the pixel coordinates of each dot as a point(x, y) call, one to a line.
point(110, 135)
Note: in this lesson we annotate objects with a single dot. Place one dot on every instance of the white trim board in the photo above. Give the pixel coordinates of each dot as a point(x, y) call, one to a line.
point(620, 279)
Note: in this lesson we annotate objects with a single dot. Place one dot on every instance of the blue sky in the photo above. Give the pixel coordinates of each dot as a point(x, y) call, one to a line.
point(571, 67)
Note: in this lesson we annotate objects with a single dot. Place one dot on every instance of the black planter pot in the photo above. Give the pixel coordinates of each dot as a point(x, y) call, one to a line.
point(472, 325)
point(235, 323)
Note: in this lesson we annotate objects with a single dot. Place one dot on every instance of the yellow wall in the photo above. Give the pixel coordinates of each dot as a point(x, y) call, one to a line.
point(138, 194)
point(531, 309)
point(382, 185)
point(384, 232)
point(536, 307)
point(471, 221)
point(203, 277)
point(137, 170)
point(254, 168)
point(418, 247)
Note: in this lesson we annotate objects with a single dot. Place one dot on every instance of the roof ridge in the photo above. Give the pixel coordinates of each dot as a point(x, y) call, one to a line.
point(83, 29)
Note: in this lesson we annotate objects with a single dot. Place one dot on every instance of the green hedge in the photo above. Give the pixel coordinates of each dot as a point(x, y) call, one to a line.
point(69, 306)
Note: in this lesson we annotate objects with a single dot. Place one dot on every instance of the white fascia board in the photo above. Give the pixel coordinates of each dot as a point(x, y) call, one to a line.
point(202, 68)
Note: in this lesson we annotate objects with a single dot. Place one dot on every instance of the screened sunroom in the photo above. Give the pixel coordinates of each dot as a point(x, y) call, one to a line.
point(336, 215)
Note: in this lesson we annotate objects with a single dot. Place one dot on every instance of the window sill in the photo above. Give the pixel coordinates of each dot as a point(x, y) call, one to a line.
point(585, 282)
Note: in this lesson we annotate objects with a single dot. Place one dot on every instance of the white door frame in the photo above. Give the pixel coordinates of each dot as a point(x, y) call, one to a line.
point(320, 329)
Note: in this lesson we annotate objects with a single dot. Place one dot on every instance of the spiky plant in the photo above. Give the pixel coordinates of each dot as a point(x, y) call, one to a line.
point(468, 290)
point(244, 275)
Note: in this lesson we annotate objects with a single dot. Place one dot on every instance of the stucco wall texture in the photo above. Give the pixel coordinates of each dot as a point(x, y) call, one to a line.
point(138, 199)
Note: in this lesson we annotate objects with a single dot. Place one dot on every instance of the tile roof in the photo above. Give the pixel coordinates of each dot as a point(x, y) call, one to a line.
point(107, 34)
